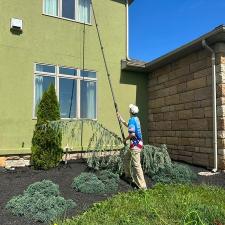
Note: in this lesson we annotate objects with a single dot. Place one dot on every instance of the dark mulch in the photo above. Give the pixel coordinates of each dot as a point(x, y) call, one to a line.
point(13, 183)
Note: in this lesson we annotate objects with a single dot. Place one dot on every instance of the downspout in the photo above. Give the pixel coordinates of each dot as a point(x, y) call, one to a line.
point(213, 58)
point(127, 30)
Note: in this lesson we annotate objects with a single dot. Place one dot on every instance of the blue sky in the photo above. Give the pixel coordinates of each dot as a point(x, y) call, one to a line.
point(160, 26)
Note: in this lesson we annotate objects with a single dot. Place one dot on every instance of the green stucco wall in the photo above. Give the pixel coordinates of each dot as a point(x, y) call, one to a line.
point(52, 40)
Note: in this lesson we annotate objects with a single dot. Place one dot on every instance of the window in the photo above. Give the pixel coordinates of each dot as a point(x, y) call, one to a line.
point(51, 7)
point(76, 90)
point(77, 10)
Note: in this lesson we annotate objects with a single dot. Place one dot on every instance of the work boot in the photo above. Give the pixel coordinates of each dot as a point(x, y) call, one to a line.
point(128, 180)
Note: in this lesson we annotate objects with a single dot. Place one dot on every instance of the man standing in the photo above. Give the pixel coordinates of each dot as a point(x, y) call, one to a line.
point(133, 156)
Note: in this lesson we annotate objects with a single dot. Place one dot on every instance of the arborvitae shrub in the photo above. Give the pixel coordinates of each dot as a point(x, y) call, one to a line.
point(40, 202)
point(46, 142)
point(104, 182)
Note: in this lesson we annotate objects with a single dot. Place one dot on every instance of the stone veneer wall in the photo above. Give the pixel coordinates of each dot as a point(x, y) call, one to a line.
point(180, 107)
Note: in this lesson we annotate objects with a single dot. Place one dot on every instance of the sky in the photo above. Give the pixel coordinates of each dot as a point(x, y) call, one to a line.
point(160, 26)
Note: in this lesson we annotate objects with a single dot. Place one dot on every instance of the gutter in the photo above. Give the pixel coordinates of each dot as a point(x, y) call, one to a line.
point(213, 58)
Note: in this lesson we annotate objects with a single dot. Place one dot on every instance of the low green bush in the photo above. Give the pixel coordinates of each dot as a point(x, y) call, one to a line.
point(88, 183)
point(104, 182)
point(164, 204)
point(40, 202)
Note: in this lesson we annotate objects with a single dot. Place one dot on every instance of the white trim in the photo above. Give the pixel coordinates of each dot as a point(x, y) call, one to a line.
point(77, 15)
point(78, 95)
point(34, 95)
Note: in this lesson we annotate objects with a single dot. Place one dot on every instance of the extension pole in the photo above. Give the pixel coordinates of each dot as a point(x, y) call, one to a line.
point(107, 70)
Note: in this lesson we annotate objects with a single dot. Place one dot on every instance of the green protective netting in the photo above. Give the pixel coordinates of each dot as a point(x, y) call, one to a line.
point(103, 182)
point(40, 202)
point(156, 162)
point(101, 139)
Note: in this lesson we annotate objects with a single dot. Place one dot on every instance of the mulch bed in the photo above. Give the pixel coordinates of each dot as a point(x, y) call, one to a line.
point(13, 183)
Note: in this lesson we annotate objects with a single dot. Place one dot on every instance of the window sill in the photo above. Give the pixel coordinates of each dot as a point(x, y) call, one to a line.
point(68, 119)
point(62, 18)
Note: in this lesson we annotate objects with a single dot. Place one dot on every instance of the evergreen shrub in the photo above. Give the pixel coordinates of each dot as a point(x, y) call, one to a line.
point(104, 182)
point(46, 142)
point(156, 163)
point(40, 202)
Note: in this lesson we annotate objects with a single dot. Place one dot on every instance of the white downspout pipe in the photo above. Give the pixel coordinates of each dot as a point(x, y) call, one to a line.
point(127, 30)
point(204, 44)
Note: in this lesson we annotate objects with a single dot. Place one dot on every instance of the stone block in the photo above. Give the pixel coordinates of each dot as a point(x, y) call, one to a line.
point(200, 65)
point(189, 133)
point(196, 83)
point(165, 109)
point(157, 103)
point(165, 125)
point(158, 117)
point(179, 107)
point(201, 159)
point(169, 133)
point(192, 105)
point(186, 159)
point(198, 113)
point(203, 73)
point(221, 123)
point(2, 161)
point(179, 125)
point(185, 114)
point(200, 142)
point(17, 163)
point(172, 140)
point(187, 97)
point(205, 150)
point(206, 103)
point(221, 90)
point(202, 93)
point(172, 99)
point(171, 115)
point(198, 124)
point(182, 87)
point(208, 112)
point(205, 134)
point(163, 78)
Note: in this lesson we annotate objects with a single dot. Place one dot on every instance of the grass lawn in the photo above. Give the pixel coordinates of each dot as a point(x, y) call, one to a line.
point(164, 204)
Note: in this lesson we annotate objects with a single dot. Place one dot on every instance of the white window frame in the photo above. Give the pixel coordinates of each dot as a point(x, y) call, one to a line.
point(77, 13)
point(57, 76)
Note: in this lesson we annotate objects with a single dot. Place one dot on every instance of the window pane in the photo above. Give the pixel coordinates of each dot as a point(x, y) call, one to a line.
point(84, 11)
point(88, 74)
point(45, 68)
point(51, 7)
point(41, 85)
point(68, 9)
point(67, 97)
point(88, 99)
point(67, 71)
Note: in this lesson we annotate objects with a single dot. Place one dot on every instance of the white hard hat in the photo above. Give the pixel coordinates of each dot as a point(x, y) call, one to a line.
point(133, 109)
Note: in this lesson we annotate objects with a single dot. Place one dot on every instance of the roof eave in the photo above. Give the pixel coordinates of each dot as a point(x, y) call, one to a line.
point(212, 37)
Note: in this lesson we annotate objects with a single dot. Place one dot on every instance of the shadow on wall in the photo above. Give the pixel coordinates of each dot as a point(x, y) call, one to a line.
point(140, 80)
point(119, 1)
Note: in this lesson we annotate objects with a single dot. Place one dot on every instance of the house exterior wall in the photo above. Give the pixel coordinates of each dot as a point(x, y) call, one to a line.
point(180, 107)
point(56, 41)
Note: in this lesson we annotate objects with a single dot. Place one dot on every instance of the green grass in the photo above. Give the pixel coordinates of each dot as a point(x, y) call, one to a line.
point(164, 204)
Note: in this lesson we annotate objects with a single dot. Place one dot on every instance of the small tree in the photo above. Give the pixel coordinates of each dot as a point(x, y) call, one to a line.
point(46, 142)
